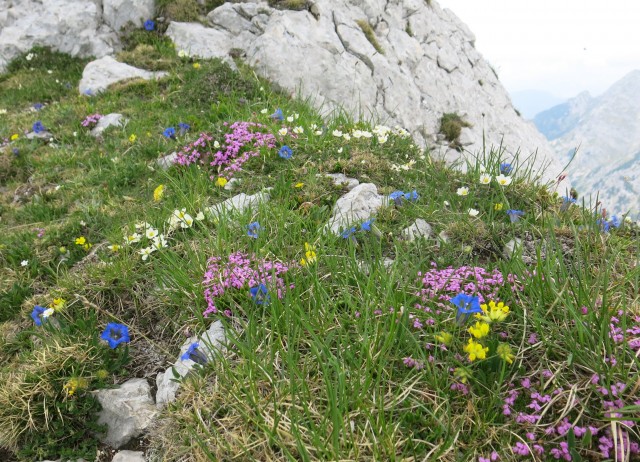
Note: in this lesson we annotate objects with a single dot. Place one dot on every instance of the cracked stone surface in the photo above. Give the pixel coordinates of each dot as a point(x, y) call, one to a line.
point(429, 66)
point(99, 74)
point(420, 229)
point(237, 204)
point(356, 206)
point(110, 120)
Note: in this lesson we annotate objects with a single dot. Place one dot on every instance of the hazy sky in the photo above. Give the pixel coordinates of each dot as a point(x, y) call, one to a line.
point(559, 46)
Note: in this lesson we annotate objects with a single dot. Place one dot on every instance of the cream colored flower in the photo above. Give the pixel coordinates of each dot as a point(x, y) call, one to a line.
point(463, 191)
point(473, 212)
point(283, 131)
point(503, 180)
point(485, 178)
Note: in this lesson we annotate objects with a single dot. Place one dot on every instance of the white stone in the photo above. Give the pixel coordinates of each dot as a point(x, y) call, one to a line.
point(420, 229)
point(511, 248)
point(119, 13)
point(210, 342)
point(239, 203)
point(340, 179)
point(110, 120)
point(356, 206)
point(127, 410)
point(434, 70)
point(101, 73)
point(128, 456)
point(167, 161)
point(233, 182)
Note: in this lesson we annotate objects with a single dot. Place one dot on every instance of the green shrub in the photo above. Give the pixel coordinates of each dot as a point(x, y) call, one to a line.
point(451, 125)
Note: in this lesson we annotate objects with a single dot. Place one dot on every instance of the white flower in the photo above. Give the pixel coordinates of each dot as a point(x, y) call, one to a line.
point(29, 57)
point(503, 180)
point(339, 150)
point(296, 115)
point(283, 131)
point(627, 219)
point(3, 111)
point(473, 212)
point(311, 127)
point(485, 178)
point(346, 137)
point(337, 133)
point(366, 134)
point(132, 238)
point(48, 312)
point(151, 233)
point(463, 191)
point(144, 253)
point(216, 144)
point(49, 71)
point(381, 130)
point(447, 204)
point(24, 262)
point(318, 132)
point(200, 216)
point(264, 111)
point(290, 119)
point(182, 54)
point(397, 130)
point(356, 134)
point(382, 139)
point(75, 134)
point(142, 225)
point(160, 242)
point(298, 130)
point(187, 221)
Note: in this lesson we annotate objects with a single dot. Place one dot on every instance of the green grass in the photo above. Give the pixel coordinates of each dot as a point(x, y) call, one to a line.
point(327, 371)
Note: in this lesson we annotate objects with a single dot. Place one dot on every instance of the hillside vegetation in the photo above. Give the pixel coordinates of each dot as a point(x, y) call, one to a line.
point(359, 346)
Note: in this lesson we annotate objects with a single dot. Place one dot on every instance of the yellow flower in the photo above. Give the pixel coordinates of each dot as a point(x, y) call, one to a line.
point(74, 384)
point(479, 330)
point(504, 352)
point(493, 312)
point(221, 182)
point(132, 138)
point(14, 137)
point(298, 185)
point(81, 240)
point(63, 249)
point(114, 247)
point(462, 373)
point(310, 255)
point(102, 374)
point(87, 246)
point(499, 206)
point(444, 337)
point(475, 350)
point(196, 65)
point(58, 304)
point(158, 192)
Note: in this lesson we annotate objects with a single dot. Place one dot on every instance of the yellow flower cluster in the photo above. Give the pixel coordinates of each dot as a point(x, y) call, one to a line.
point(310, 255)
point(494, 312)
point(504, 352)
point(58, 304)
point(82, 242)
point(74, 384)
point(475, 350)
point(158, 193)
point(444, 337)
point(479, 330)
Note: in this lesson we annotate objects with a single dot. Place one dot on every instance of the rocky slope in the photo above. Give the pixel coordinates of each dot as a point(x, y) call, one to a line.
point(606, 131)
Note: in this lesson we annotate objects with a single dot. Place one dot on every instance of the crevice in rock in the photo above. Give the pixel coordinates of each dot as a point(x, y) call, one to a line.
point(364, 59)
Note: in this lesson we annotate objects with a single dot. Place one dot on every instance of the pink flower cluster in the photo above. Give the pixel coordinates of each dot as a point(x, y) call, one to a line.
point(91, 120)
point(240, 271)
point(242, 143)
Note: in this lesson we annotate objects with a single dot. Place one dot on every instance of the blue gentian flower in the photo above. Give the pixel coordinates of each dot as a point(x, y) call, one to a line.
point(183, 127)
point(285, 152)
point(36, 314)
point(260, 294)
point(169, 132)
point(566, 203)
point(467, 305)
point(115, 334)
point(38, 127)
point(88, 92)
point(366, 225)
point(277, 115)
point(253, 229)
point(616, 221)
point(506, 168)
point(347, 233)
point(194, 354)
point(15, 151)
point(514, 215)
point(605, 226)
point(38, 106)
point(149, 25)
point(411, 196)
point(397, 197)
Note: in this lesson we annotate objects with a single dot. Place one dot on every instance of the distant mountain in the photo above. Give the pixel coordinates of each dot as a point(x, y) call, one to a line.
point(531, 102)
point(606, 131)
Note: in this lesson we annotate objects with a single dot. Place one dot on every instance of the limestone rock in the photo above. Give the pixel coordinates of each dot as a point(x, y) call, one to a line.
point(420, 229)
point(239, 203)
point(428, 67)
point(110, 120)
point(511, 247)
point(167, 161)
point(127, 410)
point(128, 456)
point(213, 339)
point(355, 206)
point(70, 26)
point(101, 73)
point(119, 13)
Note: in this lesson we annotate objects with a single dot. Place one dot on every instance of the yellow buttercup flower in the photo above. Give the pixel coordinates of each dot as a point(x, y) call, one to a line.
point(196, 65)
point(14, 137)
point(475, 350)
point(493, 312)
point(310, 255)
point(74, 384)
point(81, 240)
point(298, 185)
point(221, 182)
point(498, 207)
point(58, 304)
point(158, 192)
point(479, 330)
point(132, 138)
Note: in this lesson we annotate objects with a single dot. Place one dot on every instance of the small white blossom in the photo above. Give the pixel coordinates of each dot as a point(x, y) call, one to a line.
point(30, 56)
point(339, 150)
point(346, 137)
point(144, 253)
point(264, 111)
point(503, 180)
point(200, 216)
point(463, 191)
point(318, 132)
point(473, 212)
point(48, 312)
point(24, 262)
point(337, 133)
point(160, 242)
point(132, 238)
point(356, 134)
point(283, 131)
point(485, 178)
point(290, 119)
point(382, 139)
point(151, 233)
point(366, 134)
point(298, 130)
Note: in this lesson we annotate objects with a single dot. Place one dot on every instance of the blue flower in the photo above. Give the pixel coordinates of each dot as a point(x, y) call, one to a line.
point(149, 25)
point(566, 203)
point(88, 92)
point(605, 226)
point(38, 106)
point(616, 221)
point(277, 115)
point(253, 229)
point(36, 314)
point(366, 225)
point(347, 233)
point(285, 152)
point(15, 151)
point(260, 294)
point(467, 305)
point(169, 132)
point(194, 354)
point(411, 196)
point(506, 168)
point(183, 127)
point(115, 334)
point(514, 215)
point(397, 197)
point(38, 127)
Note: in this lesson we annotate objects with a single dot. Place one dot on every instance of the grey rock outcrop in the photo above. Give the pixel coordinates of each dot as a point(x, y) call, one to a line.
point(239, 203)
point(110, 120)
point(127, 411)
point(420, 229)
point(101, 73)
point(78, 27)
point(208, 343)
point(356, 206)
point(128, 456)
point(422, 64)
